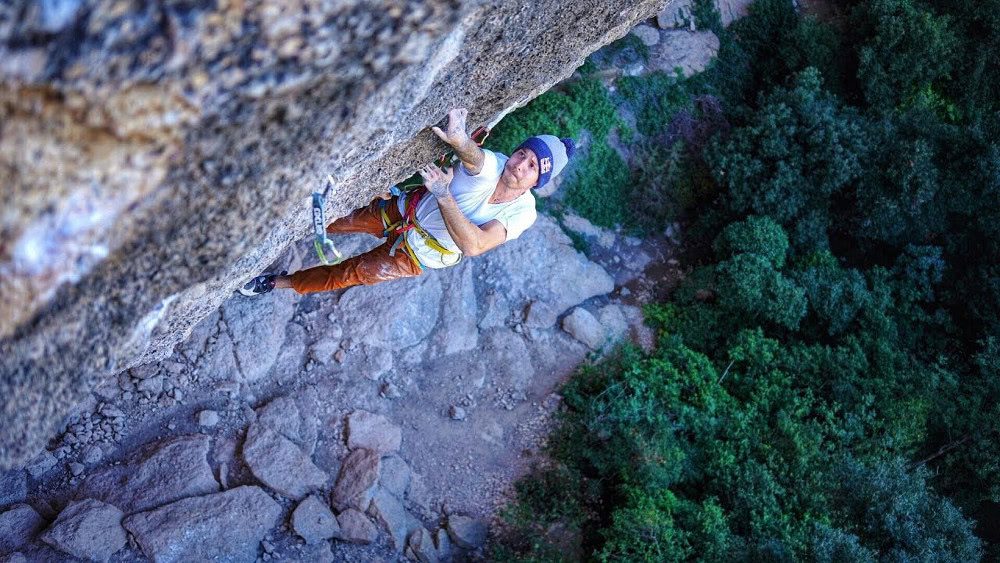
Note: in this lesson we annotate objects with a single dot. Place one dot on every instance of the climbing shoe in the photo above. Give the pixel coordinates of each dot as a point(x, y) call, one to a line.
point(260, 285)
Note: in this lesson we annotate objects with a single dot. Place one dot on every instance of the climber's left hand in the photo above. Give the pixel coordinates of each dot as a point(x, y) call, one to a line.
point(437, 182)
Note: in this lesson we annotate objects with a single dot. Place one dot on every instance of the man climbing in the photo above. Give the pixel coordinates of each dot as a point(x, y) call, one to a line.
point(480, 204)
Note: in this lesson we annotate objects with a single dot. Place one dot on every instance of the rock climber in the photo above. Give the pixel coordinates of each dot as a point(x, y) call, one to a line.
point(483, 202)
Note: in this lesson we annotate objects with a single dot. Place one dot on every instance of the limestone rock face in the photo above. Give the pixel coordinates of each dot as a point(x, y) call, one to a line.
point(154, 157)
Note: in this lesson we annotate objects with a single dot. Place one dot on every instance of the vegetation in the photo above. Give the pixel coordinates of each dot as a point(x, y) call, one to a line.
point(825, 382)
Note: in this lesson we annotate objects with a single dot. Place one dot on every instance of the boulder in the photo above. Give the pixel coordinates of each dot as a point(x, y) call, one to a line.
point(373, 432)
point(732, 10)
point(443, 544)
point(540, 265)
point(313, 521)
point(420, 546)
point(504, 355)
point(92, 455)
point(87, 529)
point(583, 326)
point(355, 527)
point(224, 526)
point(689, 51)
point(456, 332)
point(253, 326)
point(649, 35)
point(279, 463)
point(456, 412)
point(466, 532)
point(40, 465)
point(13, 487)
point(208, 418)
point(676, 13)
point(612, 318)
point(540, 315)
point(356, 480)
point(395, 476)
point(18, 526)
point(392, 315)
point(154, 475)
point(389, 512)
point(319, 552)
point(291, 419)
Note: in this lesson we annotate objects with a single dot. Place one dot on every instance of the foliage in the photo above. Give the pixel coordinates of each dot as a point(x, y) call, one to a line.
point(656, 97)
point(825, 377)
point(909, 48)
point(798, 151)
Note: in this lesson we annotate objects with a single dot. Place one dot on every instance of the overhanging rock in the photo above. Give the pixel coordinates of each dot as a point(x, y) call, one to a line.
point(155, 155)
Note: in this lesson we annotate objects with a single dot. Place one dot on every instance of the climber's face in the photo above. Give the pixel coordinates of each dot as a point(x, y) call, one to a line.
point(521, 170)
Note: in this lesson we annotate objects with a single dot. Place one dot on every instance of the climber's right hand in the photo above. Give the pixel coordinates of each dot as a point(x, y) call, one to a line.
point(385, 195)
point(456, 133)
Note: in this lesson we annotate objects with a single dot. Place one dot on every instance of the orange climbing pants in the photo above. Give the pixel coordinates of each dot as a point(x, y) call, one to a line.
point(369, 268)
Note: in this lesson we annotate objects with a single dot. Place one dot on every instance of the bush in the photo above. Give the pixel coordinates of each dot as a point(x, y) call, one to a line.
point(909, 48)
point(825, 379)
point(799, 150)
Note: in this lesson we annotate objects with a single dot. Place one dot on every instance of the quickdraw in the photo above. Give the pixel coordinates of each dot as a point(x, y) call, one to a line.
point(320, 241)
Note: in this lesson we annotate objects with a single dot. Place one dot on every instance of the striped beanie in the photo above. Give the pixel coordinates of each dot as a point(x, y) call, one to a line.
point(553, 153)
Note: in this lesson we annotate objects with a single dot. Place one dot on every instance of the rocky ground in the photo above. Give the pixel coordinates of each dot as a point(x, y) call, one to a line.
point(360, 425)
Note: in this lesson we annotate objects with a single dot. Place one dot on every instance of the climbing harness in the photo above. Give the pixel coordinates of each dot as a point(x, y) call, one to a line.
point(414, 192)
point(409, 223)
point(321, 242)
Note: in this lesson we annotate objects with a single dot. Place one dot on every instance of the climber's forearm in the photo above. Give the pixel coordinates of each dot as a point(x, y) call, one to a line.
point(465, 233)
point(470, 154)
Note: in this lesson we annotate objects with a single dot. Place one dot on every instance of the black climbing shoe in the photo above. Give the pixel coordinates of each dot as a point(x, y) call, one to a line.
point(260, 285)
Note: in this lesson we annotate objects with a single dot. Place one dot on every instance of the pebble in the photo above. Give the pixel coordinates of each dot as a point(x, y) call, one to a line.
point(390, 390)
point(456, 413)
point(339, 356)
point(334, 332)
point(92, 455)
point(76, 468)
point(208, 418)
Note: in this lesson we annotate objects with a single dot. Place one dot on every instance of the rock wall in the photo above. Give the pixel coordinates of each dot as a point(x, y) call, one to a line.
point(155, 155)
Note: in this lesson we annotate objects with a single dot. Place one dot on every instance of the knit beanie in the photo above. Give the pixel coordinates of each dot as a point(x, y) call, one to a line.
point(553, 153)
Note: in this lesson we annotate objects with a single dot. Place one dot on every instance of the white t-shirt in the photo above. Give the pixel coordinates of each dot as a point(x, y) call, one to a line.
point(472, 193)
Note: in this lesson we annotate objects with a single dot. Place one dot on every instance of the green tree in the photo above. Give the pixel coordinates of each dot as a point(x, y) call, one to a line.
point(797, 151)
point(908, 49)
